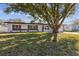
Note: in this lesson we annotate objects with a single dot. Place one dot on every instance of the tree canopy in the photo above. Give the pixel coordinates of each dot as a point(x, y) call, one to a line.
point(52, 13)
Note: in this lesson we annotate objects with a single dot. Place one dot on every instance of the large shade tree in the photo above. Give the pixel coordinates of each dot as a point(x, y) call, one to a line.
point(52, 13)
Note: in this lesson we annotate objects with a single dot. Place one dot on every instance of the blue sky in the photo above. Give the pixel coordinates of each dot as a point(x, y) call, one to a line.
point(5, 16)
point(27, 18)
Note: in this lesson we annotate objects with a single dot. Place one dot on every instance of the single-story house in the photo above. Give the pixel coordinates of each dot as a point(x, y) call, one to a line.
point(25, 27)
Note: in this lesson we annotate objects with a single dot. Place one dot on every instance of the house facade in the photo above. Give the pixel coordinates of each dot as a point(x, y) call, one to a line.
point(33, 27)
point(25, 27)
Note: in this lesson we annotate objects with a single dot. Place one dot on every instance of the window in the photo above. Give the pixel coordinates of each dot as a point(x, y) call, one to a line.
point(33, 27)
point(46, 28)
point(16, 27)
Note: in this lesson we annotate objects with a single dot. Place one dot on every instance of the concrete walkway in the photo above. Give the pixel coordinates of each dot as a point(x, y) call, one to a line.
point(72, 33)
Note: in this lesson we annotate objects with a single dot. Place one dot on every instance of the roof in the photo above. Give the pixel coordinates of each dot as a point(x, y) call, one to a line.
point(29, 23)
point(22, 23)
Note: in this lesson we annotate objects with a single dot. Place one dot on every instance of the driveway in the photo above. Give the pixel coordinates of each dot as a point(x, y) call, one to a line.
point(72, 33)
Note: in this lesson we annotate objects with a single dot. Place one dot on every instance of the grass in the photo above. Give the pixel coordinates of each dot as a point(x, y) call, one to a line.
point(38, 43)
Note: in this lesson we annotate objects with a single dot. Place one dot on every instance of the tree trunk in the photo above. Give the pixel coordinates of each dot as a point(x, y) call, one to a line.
point(54, 37)
point(55, 32)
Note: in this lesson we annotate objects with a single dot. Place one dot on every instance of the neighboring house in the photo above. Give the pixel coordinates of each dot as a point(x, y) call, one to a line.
point(67, 27)
point(75, 27)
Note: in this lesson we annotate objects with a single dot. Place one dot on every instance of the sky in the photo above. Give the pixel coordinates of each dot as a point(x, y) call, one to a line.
point(12, 15)
point(27, 18)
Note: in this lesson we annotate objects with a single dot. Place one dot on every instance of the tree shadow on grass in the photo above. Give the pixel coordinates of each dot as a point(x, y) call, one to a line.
point(38, 45)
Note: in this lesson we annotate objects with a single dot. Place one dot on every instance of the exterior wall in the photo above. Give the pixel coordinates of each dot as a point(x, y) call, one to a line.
point(41, 27)
point(68, 28)
point(50, 30)
point(29, 30)
point(9, 27)
point(75, 27)
point(24, 27)
point(47, 30)
point(61, 29)
point(3, 28)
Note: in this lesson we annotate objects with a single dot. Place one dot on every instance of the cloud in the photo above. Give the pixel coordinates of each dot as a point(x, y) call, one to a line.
point(1, 11)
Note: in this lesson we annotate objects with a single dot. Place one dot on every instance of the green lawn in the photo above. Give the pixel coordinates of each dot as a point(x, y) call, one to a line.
point(38, 43)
